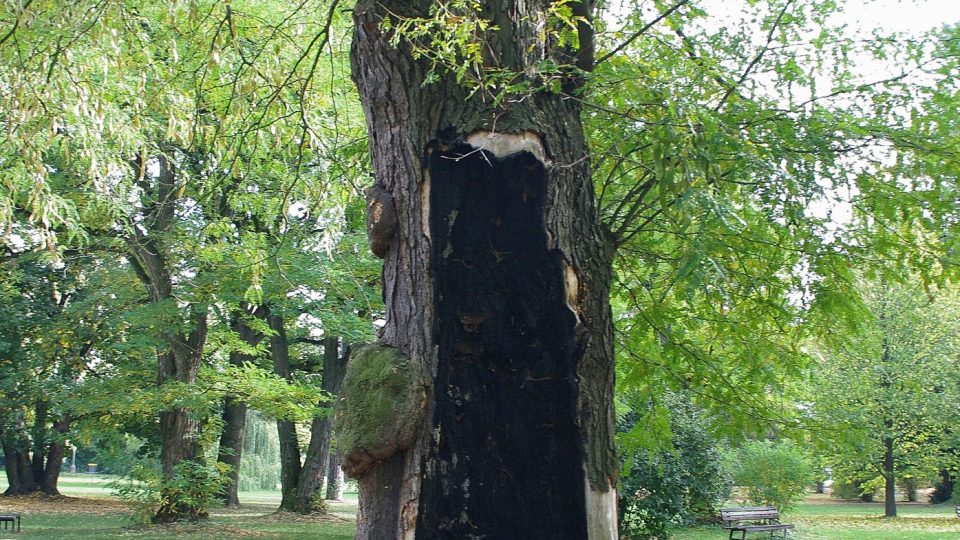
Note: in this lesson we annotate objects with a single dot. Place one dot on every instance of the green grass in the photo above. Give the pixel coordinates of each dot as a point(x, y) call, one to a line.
point(820, 518)
point(96, 515)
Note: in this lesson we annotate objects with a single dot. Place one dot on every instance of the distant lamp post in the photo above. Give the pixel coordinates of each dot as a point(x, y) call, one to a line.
point(73, 460)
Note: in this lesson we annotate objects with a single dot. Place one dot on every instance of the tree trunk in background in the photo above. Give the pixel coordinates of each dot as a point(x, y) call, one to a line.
point(55, 453)
point(315, 463)
point(39, 438)
point(889, 479)
point(180, 363)
point(308, 499)
point(231, 446)
point(496, 280)
point(235, 412)
point(889, 463)
point(333, 370)
point(289, 445)
point(335, 483)
point(28, 483)
point(17, 484)
point(944, 487)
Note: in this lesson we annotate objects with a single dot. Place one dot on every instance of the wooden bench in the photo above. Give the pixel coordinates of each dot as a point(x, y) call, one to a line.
point(12, 519)
point(756, 518)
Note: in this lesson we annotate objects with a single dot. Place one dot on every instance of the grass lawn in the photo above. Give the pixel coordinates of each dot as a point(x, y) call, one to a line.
point(88, 511)
point(822, 518)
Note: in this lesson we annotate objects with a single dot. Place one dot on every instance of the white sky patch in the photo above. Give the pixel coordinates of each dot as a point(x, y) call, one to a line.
point(297, 210)
point(908, 16)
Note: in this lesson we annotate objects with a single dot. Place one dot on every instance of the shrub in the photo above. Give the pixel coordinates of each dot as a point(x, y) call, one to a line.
point(193, 485)
point(771, 473)
point(679, 484)
point(853, 481)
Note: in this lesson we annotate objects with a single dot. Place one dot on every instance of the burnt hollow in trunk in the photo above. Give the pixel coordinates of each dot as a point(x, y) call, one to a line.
point(505, 459)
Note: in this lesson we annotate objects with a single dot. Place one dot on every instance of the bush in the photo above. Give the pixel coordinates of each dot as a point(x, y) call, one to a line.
point(194, 485)
point(852, 481)
point(771, 473)
point(680, 484)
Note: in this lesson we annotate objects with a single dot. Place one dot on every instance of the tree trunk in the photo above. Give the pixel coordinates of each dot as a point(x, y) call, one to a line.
point(12, 468)
point(28, 484)
point(231, 447)
point(315, 463)
point(334, 367)
point(889, 479)
point(39, 438)
point(335, 483)
point(179, 434)
point(496, 279)
point(235, 413)
point(943, 491)
point(889, 463)
point(55, 454)
point(289, 445)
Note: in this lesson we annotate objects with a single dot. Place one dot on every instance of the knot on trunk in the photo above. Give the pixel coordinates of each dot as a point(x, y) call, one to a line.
point(381, 408)
point(381, 220)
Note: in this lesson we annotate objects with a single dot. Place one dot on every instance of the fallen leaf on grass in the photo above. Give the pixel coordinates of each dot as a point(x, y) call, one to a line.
point(38, 503)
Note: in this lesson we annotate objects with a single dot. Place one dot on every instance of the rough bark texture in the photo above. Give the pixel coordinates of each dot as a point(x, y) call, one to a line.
point(496, 286)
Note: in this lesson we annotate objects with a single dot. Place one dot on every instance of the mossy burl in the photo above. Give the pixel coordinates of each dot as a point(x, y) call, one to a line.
point(381, 409)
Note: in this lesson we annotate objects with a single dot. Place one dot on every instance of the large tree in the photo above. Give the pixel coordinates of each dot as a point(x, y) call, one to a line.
point(496, 274)
point(886, 395)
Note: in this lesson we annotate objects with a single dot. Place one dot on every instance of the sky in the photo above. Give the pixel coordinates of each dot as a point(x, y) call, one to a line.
point(901, 15)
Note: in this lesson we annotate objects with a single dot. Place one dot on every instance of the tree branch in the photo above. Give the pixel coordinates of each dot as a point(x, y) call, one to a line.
point(642, 31)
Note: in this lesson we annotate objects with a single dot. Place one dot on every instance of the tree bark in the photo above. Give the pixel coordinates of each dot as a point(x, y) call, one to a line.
point(943, 491)
point(496, 280)
point(28, 483)
point(39, 439)
point(889, 459)
point(235, 412)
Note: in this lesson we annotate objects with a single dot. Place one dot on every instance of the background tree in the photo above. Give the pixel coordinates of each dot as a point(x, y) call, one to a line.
point(886, 397)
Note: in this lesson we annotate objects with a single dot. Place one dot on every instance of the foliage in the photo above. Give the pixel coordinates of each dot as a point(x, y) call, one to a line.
point(680, 483)
point(740, 203)
point(260, 461)
point(193, 484)
point(893, 383)
point(772, 473)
